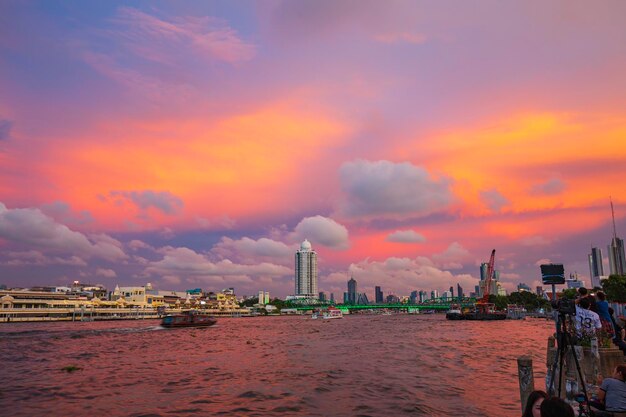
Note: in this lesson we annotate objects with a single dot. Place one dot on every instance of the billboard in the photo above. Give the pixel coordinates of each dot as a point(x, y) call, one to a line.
point(552, 274)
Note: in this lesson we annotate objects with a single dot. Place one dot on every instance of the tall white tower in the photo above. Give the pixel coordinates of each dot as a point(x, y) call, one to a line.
point(306, 271)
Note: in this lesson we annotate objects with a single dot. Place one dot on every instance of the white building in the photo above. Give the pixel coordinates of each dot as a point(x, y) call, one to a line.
point(306, 271)
point(264, 297)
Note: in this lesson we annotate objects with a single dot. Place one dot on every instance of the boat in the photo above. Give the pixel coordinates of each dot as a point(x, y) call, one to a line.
point(454, 313)
point(188, 319)
point(515, 312)
point(332, 313)
point(316, 315)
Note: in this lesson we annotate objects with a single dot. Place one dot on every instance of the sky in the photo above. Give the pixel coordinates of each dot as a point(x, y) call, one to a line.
point(195, 144)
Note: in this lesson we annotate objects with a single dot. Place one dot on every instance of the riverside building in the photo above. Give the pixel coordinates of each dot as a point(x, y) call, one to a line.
point(596, 269)
point(306, 272)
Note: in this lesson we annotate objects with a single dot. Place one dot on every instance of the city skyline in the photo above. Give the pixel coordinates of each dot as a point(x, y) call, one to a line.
point(198, 144)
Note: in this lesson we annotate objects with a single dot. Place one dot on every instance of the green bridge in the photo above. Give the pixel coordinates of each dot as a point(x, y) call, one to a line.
point(437, 305)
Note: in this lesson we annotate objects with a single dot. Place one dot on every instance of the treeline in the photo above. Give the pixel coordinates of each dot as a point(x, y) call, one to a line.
point(529, 300)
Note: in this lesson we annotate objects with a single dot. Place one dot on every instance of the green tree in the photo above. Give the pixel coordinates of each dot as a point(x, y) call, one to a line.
point(615, 288)
point(570, 293)
point(500, 301)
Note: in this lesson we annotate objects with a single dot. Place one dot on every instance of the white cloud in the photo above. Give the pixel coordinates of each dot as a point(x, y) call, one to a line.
point(164, 201)
point(405, 236)
point(136, 244)
point(453, 257)
point(218, 223)
point(543, 261)
point(186, 264)
point(323, 231)
point(388, 189)
point(33, 257)
point(107, 273)
point(396, 275)
point(250, 248)
point(32, 228)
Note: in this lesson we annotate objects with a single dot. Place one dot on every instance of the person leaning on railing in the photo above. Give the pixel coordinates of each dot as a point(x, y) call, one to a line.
point(612, 393)
point(618, 337)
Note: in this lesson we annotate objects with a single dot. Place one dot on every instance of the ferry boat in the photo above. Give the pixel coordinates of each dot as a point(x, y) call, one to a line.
point(454, 313)
point(332, 313)
point(188, 319)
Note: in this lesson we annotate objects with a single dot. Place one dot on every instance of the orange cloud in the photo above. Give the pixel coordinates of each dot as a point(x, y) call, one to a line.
point(518, 154)
point(234, 166)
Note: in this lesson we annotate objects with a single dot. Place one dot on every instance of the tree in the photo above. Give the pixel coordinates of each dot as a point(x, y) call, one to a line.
point(615, 288)
point(570, 293)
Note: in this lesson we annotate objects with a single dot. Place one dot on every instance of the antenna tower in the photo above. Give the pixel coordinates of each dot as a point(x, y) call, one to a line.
point(613, 215)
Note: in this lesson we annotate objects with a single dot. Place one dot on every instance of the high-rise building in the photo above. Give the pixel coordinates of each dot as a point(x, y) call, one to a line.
point(459, 291)
point(446, 295)
point(264, 297)
point(352, 296)
point(361, 298)
point(322, 296)
point(596, 269)
point(617, 259)
point(493, 289)
point(422, 296)
point(451, 292)
point(378, 295)
point(332, 298)
point(306, 271)
point(413, 297)
point(392, 299)
point(434, 294)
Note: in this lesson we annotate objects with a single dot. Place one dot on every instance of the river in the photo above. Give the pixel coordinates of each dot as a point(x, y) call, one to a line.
point(398, 365)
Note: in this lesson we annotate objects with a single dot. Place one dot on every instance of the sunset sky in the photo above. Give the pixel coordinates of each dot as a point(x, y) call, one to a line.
point(195, 144)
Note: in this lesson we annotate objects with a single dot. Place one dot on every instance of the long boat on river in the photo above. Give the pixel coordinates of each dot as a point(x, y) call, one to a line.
point(188, 319)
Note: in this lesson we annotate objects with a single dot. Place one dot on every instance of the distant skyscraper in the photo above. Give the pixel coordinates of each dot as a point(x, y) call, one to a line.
point(422, 296)
point(361, 298)
point(451, 292)
point(434, 294)
point(595, 267)
point(332, 297)
point(617, 259)
point(483, 270)
point(459, 291)
point(413, 297)
point(322, 296)
point(306, 271)
point(379, 295)
point(352, 296)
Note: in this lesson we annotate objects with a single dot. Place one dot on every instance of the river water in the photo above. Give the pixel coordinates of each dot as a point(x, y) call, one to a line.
point(397, 365)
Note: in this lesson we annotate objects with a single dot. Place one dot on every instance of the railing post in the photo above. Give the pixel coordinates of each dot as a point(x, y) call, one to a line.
point(526, 378)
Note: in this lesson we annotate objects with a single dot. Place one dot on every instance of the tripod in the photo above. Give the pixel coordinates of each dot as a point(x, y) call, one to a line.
point(564, 339)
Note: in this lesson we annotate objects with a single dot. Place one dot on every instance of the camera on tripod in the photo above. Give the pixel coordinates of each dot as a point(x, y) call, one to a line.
point(565, 306)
